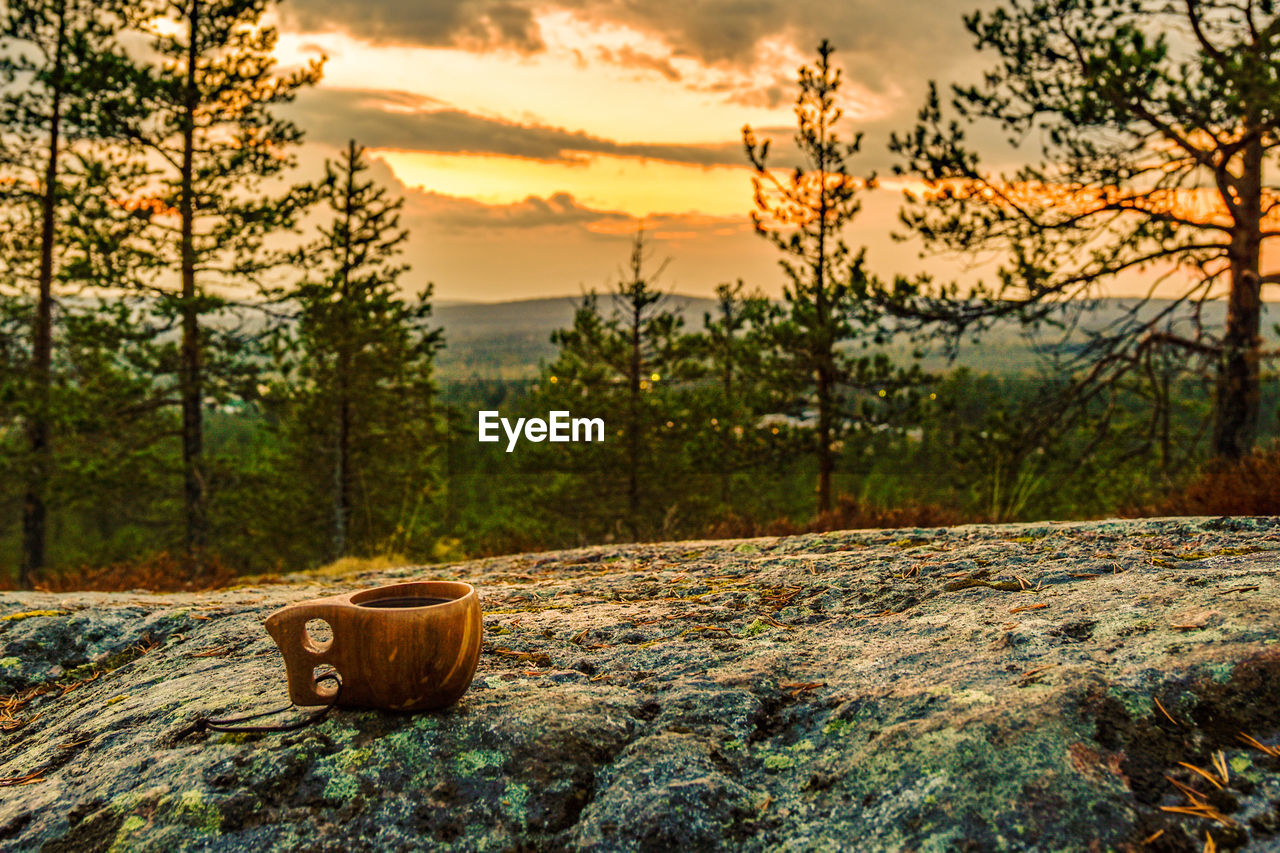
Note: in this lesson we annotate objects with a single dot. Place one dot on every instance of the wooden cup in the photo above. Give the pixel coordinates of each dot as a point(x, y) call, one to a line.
point(387, 653)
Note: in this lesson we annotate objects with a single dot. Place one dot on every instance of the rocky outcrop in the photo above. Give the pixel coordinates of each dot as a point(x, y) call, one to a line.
point(1018, 687)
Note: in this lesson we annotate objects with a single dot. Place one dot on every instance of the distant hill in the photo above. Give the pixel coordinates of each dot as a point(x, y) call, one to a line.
point(510, 340)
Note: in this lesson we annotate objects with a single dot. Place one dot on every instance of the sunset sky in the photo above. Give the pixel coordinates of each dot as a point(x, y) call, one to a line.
point(531, 139)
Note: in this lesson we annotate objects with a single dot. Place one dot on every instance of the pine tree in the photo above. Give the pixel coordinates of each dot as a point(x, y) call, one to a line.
point(212, 128)
point(1153, 133)
point(626, 368)
point(358, 360)
point(62, 72)
point(734, 342)
point(15, 325)
point(804, 216)
point(106, 419)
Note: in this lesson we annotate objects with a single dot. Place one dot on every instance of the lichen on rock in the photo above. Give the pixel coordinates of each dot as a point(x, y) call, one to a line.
point(1014, 687)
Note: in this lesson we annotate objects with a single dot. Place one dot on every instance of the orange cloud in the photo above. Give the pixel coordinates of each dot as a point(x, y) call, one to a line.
point(1193, 206)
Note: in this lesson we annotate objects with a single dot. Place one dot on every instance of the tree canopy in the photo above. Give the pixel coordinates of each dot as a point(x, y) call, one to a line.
point(804, 215)
point(1151, 132)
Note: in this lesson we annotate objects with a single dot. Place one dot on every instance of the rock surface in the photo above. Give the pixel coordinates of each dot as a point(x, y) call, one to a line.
point(1015, 687)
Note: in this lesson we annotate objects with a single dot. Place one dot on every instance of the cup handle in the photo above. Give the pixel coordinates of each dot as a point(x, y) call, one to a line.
point(301, 656)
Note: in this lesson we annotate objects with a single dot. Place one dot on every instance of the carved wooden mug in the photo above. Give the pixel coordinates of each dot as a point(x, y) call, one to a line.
point(405, 647)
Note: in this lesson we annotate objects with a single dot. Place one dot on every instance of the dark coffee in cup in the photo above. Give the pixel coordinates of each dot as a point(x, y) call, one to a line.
point(404, 602)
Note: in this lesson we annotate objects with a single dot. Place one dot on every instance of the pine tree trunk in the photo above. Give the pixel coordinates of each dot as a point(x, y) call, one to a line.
point(34, 511)
point(1237, 386)
point(450, 499)
point(191, 379)
point(342, 472)
point(726, 440)
point(1165, 438)
point(342, 487)
point(823, 347)
point(825, 343)
point(633, 430)
point(1237, 391)
point(825, 463)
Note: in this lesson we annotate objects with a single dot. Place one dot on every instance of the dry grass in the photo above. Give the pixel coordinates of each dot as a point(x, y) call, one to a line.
point(348, 566)
point(161, 572)
point(164, 572)
point(1250, 486)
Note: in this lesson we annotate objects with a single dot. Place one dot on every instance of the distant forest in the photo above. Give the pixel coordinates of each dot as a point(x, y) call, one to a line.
point(212, 365)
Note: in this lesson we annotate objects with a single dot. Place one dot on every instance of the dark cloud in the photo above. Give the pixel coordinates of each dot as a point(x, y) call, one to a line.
point(316, 49)
point(399, 120)
point(465, 214)
point(476, 24)
point(885, 44)
point(882, 43)
point(629, 57)
point(439, 212)
point(781, 91)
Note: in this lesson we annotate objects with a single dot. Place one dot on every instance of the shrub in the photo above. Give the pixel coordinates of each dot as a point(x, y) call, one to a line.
point(160, 572)
point(1250, 486)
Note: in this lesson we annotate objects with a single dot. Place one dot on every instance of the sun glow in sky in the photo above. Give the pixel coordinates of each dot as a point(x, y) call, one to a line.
point(607, 81)
point(573, 84)
point(638, 188)
point(530, 149)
